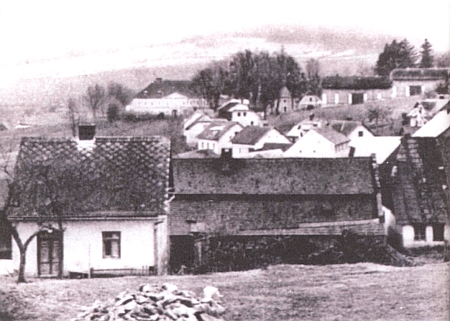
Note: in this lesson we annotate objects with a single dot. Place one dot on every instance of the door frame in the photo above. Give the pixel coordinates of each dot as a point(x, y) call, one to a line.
point(54, 236)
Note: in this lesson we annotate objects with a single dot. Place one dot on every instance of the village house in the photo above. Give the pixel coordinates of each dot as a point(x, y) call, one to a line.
point(253, 138)
point(102, 200)
point(417, 81)
point(194, 125)
point(320, 142)
point(218, 135)
point(424, 110)
point(224, 111)
point(352, 129)
point(420, 180)
point(309, 102)
point(242, 200)
point(304, 126)
point(338, 90)
point(241, 114)
point(167, 97)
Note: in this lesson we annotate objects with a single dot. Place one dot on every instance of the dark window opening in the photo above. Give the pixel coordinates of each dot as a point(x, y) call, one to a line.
point(111, 244)
point(438, 232)
point(5, 244)
point(419, 232)
point(360, 133)
point(415, 90)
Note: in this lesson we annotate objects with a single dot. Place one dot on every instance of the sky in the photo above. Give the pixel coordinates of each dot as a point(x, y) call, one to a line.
point(64, 32)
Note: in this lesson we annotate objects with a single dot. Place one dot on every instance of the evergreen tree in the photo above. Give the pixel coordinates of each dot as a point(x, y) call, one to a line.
point(396, 55)
point(426, 56)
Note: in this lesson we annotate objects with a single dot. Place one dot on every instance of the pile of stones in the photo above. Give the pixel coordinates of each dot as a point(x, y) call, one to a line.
point(153, 303)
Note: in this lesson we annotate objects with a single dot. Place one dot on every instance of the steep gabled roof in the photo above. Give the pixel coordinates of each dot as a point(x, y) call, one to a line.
point(333, 136)
point(113, 176)
point(280, 176)
point(216, 130)
point(161, 88)
point(250, 135)
point(345, 127)
point(420, 74)
point(285, 93)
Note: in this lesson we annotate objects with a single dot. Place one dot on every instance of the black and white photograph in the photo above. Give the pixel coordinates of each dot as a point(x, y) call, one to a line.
point(224, 160)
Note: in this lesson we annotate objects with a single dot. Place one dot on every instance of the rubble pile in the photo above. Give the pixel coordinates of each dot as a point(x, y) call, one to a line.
point(153, 303)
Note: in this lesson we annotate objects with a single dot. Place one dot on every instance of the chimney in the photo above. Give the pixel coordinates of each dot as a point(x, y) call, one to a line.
point(86, 131)
point(311, 116)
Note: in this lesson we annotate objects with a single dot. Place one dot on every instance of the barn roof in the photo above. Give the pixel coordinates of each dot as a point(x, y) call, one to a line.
point(120, 176)
point(355, 83)
point(420, 74)
point(250, 135)
point(332, 135)
point(280, 176)
point(162, 88)
point(216, 130)
point(345, 127)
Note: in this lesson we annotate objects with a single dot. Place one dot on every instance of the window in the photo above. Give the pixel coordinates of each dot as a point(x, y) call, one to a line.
point(245, 114)
point(239, 114)
point(419, 232)
point(438, 232)
point(111, 244)
point(251, 123)
point(360, 133)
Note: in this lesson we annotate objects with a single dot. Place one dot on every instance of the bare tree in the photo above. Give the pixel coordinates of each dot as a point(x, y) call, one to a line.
point(72, 113)
point(94, 98)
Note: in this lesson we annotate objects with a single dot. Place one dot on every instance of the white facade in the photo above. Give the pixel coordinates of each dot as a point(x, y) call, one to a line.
point(309, 100)
point(272, 136)
point(245, 117)
point(360, 132)
point(312, 144)
point(192, 133)
point(143, 244)
point(300, 129)
point(174, 104)
point(409, 237)
point(224, 141)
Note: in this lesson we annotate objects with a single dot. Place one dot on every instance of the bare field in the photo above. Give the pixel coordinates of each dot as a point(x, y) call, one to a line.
point(363, 291)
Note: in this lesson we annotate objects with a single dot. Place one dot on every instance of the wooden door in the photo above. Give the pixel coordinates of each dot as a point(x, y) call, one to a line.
point(49, 245)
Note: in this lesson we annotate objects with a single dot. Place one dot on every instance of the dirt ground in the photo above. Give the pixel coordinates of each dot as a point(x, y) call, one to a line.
point(363, 291)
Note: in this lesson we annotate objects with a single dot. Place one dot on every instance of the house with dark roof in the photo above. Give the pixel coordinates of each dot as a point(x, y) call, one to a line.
point(218, 135)
point(168, 97)
point(354, 130)
point(100, 204)
point(254, 138)
point(224, 111)
point(417, 81)
point(245, 200)
point(420, 184)
point(301, 128)
point(337, 90)
point(320, 142)
point(194, 125)
point(243, 115)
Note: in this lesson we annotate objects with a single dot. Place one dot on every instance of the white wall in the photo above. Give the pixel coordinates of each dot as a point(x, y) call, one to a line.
point(165, 105)
point(246, 118)
point(355, 133)
point(194, 131)
point(408, 236)
point(83, 245)
point(311, 145)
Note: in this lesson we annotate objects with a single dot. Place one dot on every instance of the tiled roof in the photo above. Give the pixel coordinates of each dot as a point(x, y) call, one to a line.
point(332, 135)
point(250, 135)
point(270, 146)
point(420, 74)
point(281, 176)
point(161, 88)
point(345, 126)
point(113, 174)
point(216, 130)
point(203, 153)
point(285, 93)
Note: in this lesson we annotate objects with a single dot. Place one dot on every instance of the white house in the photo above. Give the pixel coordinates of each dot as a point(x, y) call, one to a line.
point(253, 138)
point(309, 102)
point(168, 97)
point(218, 135)
point(424, 110)
point(320, 142)
point(194, 125)
point(300, 129)
point(112, 200)
point(350, 128)
point(417, 81)
point(244, 116)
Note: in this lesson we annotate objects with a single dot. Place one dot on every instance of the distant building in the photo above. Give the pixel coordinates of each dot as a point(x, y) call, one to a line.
point(417, 81)
point(301, 128)
point(309, 102)
point(424, 110)
point(285, 103)
point(241, 114)
point(217, 136)
point(338, 90)
point(194, 125)
point(253, 138)
point(168, 97)
point(322, 143)
point(351, 128)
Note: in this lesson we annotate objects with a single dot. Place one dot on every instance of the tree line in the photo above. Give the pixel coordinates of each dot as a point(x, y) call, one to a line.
point(257, 77)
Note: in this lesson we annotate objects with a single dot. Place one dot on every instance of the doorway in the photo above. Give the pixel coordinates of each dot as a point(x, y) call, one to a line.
point(49, 245)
